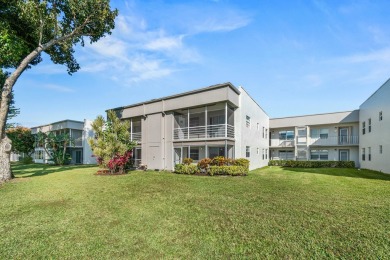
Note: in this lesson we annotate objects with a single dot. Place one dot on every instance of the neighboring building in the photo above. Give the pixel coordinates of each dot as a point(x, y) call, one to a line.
point(219, 120)
point(327, 137)
point(375, 130)
point(80, 151)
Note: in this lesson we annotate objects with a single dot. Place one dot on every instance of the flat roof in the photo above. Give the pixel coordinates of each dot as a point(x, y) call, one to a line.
point(199, 90)
point(66, 120)
point(316, 119)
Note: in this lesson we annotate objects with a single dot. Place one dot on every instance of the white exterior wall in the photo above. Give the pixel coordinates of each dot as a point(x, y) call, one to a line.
point(69, 125)
point(252, 136)
point(87, 151)
point(380, 133)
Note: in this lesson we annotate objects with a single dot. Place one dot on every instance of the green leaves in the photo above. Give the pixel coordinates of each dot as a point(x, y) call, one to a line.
point(54, 25)
point(112, 137)
point(22, 140)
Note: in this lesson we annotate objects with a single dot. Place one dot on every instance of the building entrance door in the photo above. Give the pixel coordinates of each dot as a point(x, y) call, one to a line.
point(79, 157)
point(343, 155)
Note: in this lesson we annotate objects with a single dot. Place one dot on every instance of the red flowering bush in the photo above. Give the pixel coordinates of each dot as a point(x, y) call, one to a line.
point(120, 163)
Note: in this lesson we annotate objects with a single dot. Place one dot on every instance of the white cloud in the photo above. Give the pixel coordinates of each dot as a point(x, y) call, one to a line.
point(57, 88)
point(165, 43)
point(381, 55)
point(137, 52)
point(215, 24)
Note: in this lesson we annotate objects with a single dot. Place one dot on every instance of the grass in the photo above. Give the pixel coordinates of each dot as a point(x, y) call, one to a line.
point(67, 212)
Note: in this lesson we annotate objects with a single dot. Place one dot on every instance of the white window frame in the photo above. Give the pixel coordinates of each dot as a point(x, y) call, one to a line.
point(247, 151)
point(248, 121)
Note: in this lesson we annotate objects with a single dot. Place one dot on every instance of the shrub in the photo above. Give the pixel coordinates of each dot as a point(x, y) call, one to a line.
point(204, 164)
point(219, 161)
point(27, 160)
point(228, 170)
point(186, 169)
point(312, 164)
point(242, 162)
point(187, 161)
point(120, 162)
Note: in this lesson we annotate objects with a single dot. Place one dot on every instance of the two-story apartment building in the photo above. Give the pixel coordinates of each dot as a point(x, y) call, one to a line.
point(328, 137)
point(220, 120)
point(79, 131)
point(375, 130)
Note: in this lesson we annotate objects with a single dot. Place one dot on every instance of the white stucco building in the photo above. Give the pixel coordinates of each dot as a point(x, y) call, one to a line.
point(326, 137)
point(375, 130)
point(79, 131)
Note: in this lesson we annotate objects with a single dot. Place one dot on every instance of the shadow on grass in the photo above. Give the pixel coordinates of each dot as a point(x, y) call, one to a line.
point(343, 172)
point(35, 170)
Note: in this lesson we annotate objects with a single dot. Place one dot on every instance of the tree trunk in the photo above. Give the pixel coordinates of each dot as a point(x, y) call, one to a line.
point(5, 154)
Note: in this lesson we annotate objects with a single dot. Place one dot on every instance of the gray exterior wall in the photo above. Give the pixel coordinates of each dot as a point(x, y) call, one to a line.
point(158, 122)
point(380, 130)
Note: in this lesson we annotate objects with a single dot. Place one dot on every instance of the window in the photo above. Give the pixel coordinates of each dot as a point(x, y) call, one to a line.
point(266, 133)
point(363, 154)
point(380, 149)
point(248, 121)
point(263, 154)
point(194, 153)
point(286, 155)
point(258, 126)
point(263, 131)
point(380, 116)
point(258, 151)
point(248, 151)
point(266, 154)
point(364, 127)
point(286, 135)
point(369, 153)
point(320, 133)
point(369, 125)
point(319, 155)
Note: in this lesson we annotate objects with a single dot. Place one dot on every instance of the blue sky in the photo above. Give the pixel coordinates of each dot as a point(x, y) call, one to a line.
point(293, 57)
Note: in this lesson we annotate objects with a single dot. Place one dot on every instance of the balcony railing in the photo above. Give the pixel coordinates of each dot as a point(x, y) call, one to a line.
point(335, 140)
point(137, 137)
point(282, 143)
point(204, 132)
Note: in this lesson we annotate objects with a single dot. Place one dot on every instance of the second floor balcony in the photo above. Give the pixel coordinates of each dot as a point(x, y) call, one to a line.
point(282, 143)
point(204, 132)
point(334, 141)
point(206, 122)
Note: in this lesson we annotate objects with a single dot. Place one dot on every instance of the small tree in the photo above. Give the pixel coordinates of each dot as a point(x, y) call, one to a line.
point(29, 28)
point(22, 140)
point(55, 146)
point(112, 139)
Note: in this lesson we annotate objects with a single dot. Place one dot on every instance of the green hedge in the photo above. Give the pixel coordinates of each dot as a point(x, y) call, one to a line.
point(312, 164)
point(186, 169)
point(228, 170)
point(232, 170)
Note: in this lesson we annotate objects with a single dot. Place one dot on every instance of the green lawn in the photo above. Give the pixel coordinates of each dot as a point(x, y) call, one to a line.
point(67, 212)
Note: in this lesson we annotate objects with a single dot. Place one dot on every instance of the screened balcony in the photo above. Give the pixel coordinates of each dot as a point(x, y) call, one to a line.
point(208, 122)
point(135, 130)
